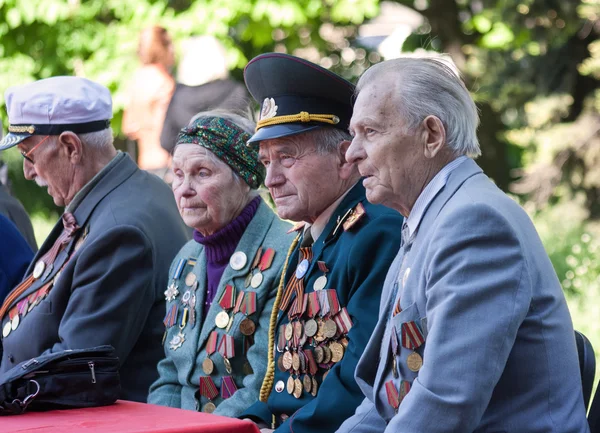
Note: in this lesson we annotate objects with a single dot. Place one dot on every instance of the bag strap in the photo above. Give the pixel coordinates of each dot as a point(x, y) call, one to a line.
point(17, 406)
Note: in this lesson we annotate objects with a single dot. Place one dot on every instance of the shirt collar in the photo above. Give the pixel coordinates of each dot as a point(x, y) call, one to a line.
point(429, 193)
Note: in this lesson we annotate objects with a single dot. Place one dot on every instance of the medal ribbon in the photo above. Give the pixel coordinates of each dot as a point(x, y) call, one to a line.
point(397, 308)
point(211, 344)
point(266, 260)
point(227, 297)
point(238, 302)
point(313, 304)
point(334, 303)
point(404, 388)
point(343, 321)
point(249, 305)
point(22, 307)
point(296, 285)
point(394, 341)
point(171, 316)
point(324, 301)
point(392, 394)
point(247, 341)
point(281, 339)
point(322, 267)
point(312, 364)
point(179, 269)
point(208, 388)
point(228, 387)
point(227, 348)
point(192, 261)
point(412, 337)
point(256, 259)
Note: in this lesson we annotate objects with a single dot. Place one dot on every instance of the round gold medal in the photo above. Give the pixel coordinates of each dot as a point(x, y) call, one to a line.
point(320, 283)
point(319, 354)
point(287, 360)
point(289, 331)
point(39, 268)
point(297, 388)
point(190, 279)
point(330, 329)
point(222, 319)
point(256, 281)
point(296, 361)
point(303, 361)
point(209, 407)
point(298, 330)
point(315, 387)
point(228, 368)
point(326, 355)
point(280, 364)
point(290, 385)
point(310, 328)
point(208, 366)
point(414, 362)
point(247, 327)
point(307, 382)
point(320, 336)
point(337, 352)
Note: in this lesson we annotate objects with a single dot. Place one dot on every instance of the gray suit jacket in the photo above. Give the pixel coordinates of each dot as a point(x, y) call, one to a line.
point(111, 289)
point(499, 354)
point(180, 371)
point(12, 209)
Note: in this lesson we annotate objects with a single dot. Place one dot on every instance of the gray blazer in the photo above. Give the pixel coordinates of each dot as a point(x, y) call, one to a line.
point(12, 209)
point(111, 289)
point(499, 354)
point(181, 369)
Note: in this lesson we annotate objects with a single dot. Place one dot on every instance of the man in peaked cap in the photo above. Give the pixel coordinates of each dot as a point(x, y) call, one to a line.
point(327, 303)
point(99, 276)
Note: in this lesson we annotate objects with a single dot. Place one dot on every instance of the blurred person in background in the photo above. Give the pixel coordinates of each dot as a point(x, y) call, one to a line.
point(148, 96)
point(100, 275)
point(12, 208)
point(222, 284)
point(203, 83)
point(15, 256)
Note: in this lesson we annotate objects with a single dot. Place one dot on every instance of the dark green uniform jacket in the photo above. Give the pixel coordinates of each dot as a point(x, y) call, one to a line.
point(357, 258)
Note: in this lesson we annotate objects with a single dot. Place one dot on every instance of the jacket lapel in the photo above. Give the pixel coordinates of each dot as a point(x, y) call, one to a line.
point(251, 240)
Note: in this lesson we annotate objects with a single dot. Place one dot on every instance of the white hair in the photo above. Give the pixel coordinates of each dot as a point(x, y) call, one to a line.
point(327, 139)
point(97, 140)
point(203, 61)
point(427, 86)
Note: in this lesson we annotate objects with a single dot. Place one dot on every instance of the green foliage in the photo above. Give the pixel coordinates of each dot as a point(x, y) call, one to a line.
point(98, 39)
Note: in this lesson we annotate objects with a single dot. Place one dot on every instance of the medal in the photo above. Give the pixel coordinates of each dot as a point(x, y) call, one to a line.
point(190, 279)
point(290, 385)
point(394, 347)
point(14, 323)
point(238, 260)
point(287, 360)
point(343, 321)
point(256, 281)
point(289, 331)
point(392, 395)
point(412, 337)
point(337, 352)
point(172, 292)
point(39, 268)
point(176, 341)
point(321, 282)
point(208, 389)
point(280, 364)
point(279, 386)
point(330, 329)
point(307, 382)
point(414, 362)
point(281, 343)
point(193, 310)
point(209, 407)
point(247, 327)
point(297, 388)
point(179, 269)
point(296, 361)
point(326, 355)
point(315, 387)
point(228, 387)
point(6, 329)
point(208, 366)
point(310, 328)
point(227, 351)
point(222, 320)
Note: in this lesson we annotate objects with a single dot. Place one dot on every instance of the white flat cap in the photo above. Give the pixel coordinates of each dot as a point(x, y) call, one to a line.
point(55, 105)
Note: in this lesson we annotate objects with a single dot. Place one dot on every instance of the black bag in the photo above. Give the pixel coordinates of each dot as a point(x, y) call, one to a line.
point(62, 380)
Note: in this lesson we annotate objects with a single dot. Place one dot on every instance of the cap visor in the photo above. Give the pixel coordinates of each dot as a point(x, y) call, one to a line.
point(280, 131)
point(12, 140)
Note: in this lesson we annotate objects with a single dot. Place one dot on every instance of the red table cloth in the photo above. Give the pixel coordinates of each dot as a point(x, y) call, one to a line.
point(124, 417)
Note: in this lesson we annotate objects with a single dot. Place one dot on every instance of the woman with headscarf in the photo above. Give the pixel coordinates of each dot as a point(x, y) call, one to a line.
point(223, 283)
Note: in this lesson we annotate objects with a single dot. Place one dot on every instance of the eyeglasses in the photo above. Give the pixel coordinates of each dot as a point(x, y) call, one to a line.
point(27, 155)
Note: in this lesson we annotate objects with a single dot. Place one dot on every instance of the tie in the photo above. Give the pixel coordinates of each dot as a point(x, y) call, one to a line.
point(69, 231)
point(308, 240)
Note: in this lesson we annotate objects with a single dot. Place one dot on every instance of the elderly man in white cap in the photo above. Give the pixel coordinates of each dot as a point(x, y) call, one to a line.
point(99, 277)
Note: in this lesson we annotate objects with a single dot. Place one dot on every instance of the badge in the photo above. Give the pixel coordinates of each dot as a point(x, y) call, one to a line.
point(238, 260)
point(247, 327)
point(187, 296)
point(209, 407)
point(172, 292)
point(257, 279)
point(279, 386)
point(269, 109)
point(39, 268)
point(208, 366)
point(357, 213)
point(6, 329)
point(176, 341)
point(222, 319)
point(302, 268)
point(414, 362)
point(190, 279)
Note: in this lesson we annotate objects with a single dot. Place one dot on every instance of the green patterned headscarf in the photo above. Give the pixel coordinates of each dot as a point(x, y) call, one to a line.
point(228, 142)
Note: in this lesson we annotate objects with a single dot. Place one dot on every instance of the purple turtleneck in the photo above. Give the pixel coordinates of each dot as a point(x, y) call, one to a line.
point(220, 246)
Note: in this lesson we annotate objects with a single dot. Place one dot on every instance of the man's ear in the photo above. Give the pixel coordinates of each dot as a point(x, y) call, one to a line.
point(71, 145)
point(347, 169)
point(435, 136)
